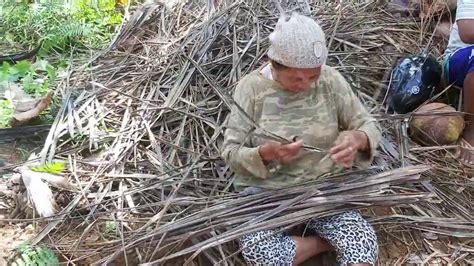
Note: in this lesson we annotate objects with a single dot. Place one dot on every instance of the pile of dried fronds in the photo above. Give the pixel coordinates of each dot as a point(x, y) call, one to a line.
point(141, 127)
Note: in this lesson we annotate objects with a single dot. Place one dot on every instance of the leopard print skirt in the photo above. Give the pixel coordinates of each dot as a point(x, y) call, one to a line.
point(352, 237)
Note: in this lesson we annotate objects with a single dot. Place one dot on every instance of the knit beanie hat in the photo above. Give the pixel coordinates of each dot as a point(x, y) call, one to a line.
point(298, 41)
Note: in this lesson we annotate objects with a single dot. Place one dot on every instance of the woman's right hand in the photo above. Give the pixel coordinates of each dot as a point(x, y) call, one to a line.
point(283, 153)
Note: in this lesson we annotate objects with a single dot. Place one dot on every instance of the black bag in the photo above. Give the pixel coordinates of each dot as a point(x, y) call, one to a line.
point(414, 80)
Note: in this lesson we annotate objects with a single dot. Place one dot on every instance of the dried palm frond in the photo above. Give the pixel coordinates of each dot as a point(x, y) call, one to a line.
point(141, 128)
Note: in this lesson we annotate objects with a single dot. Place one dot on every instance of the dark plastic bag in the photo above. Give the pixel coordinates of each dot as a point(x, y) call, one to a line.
point(414, 80)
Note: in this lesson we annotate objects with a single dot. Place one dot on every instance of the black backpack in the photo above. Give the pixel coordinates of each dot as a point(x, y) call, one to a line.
point(413, 81)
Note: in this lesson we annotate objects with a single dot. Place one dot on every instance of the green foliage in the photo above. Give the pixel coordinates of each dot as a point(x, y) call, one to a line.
point(21, 68)
point(35, 78)
point(13, 21)
point(104, 15)
point(110, 227)
point(13, 73)
point(6, 113)
point(35, 256)
point(59, 27)
point(101, 20)
point(52, 168)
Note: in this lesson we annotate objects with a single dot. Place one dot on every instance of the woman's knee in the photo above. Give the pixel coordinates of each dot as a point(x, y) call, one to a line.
point(353, 238)
point(360, 245)
point(268, 248)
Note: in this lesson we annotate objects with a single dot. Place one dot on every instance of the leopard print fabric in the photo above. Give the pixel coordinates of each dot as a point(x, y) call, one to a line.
point(268, 247)
point(349, 233)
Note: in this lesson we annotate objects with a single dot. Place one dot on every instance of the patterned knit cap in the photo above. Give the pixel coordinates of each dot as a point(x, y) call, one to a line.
point(298, 41)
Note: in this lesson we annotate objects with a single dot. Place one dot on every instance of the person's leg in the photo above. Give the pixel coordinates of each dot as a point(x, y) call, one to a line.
point(461, 73)
point(468, 135)
point(270, 247)
point(308, 247)
point(351, 235)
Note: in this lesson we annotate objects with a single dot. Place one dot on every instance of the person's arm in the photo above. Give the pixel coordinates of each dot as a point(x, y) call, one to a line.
point(465, 21)
point(236, 150)
point(362, 129)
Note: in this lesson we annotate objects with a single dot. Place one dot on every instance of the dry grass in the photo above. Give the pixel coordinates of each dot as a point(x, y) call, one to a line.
point(141, 126)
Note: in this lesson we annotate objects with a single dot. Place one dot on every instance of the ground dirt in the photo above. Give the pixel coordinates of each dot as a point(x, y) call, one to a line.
point(11, 236)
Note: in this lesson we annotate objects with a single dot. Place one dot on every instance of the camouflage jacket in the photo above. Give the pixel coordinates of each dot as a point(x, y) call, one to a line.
point(317, 116)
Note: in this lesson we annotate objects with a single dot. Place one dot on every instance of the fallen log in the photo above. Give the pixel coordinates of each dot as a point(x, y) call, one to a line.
point(12, 59)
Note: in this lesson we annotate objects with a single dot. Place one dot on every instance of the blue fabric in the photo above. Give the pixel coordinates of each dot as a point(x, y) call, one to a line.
point(459, 64)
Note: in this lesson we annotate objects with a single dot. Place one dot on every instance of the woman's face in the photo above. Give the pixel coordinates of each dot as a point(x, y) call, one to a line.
point(297, 79)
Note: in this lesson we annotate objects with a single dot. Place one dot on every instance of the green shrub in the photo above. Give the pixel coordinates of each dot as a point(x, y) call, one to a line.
point(59, 27)
point(6, 113)
point(35, 256)
point(35, 78)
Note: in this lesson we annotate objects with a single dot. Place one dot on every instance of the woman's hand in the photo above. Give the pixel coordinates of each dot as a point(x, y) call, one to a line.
point(346, 147)
point(284, 153)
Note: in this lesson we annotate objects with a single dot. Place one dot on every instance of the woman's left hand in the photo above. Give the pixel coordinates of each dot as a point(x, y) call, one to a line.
point(346, 147)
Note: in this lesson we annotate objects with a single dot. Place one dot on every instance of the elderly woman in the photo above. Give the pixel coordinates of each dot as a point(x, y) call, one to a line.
point(298, 97)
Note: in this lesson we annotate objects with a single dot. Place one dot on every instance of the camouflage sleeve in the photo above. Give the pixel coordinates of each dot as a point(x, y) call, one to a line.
point(353, 115)
point(236, 150)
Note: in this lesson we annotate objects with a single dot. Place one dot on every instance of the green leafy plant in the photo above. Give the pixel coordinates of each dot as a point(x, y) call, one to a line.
point(52, 168)
point(39, 79)
point(35, 256)
point(110, 227)
point(35, 78)
point(13, 21)
point(102, 20)
point(6, 113)
point(59, 27)
point(13, 73)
